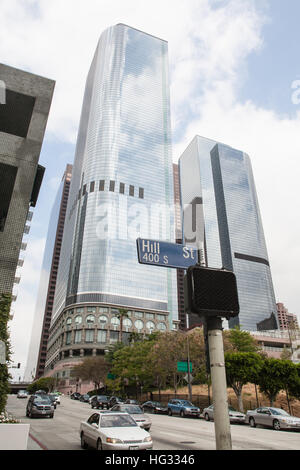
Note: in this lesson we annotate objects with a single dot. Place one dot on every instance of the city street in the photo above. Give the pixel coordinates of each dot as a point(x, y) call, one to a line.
point(168, 433)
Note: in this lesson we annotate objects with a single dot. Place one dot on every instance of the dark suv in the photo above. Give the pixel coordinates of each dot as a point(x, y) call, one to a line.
point(114, 400)
point(75, 396)
point(39, 405)
point(100, 402)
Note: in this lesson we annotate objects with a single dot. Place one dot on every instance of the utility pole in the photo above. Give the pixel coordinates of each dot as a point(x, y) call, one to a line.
point(219, 386)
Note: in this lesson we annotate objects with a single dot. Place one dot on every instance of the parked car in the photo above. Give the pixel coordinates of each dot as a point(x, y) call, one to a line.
point(275, 418)
point(136, 412)
point(75, 396)
point(99, 401)
point(85, 398)
point(22, 394)
point(154, 407)
point(106, 430)
point(114, 400)
point(234, 415)
point(183, 408)
point(129, 401)
point(39, 405)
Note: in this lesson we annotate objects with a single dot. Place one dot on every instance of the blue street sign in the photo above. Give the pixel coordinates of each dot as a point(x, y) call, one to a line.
point(169, 255)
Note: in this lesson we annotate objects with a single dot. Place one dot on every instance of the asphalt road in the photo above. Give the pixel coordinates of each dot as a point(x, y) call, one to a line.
point(168, 432)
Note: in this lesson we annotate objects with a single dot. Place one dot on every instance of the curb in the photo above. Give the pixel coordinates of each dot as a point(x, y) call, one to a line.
point(42, 446)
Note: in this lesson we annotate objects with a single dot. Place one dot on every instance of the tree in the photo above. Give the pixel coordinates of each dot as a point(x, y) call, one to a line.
point(44, 383)
point(242, 368)
point(123, 313)
point(275, 375)
point(93, 369)
point(236, 340)
point(5, 303)
point(293, 387)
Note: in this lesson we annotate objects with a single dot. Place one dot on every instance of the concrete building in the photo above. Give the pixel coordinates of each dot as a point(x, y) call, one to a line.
point(275, 342)
point(121, 189)
point(287, 320)
point(44, 304)
point(217, 185)
point(25, 101)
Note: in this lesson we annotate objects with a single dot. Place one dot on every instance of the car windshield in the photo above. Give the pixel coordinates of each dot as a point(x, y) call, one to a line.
point(132, 409)
point(42, 400)
point(117, 421)
point(277, 411)
point(102, 397)
point(231, 408)
point(156, 403)
point(186, 403)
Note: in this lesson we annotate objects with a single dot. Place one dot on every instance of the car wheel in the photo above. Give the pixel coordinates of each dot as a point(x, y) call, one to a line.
point(182, 414)
point(206, 417)
point(169, 412)
point(99, 445)
point(252, 423)
point(276, 425)
point(82, 442)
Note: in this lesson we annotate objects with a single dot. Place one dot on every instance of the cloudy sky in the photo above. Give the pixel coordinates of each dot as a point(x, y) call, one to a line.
point(235, 78)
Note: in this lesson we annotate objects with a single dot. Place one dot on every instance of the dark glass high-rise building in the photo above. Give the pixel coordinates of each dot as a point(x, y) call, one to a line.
point(44, 304)
point(230, 233)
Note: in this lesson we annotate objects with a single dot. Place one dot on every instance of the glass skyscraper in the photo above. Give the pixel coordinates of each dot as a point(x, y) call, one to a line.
point(219, 178)
point(121, 189)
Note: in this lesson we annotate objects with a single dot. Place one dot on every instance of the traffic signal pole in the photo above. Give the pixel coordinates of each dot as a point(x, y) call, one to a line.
point(219, 386)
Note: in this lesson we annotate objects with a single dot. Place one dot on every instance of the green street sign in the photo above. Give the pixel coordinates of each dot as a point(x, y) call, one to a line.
point(111, 376)
point(183, 367)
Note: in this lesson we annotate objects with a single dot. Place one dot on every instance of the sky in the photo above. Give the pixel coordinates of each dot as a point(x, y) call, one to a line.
point(235, 78)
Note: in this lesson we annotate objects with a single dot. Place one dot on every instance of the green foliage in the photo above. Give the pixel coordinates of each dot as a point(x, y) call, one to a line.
point(293, 386)
point(237, 340)
point(44, 383)
point(275, 375)
point(93, 369)
point(5, 302)
point(242, 368)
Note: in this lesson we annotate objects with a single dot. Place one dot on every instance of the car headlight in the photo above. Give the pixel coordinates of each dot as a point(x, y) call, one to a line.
point(113, 440)
point(148, 439)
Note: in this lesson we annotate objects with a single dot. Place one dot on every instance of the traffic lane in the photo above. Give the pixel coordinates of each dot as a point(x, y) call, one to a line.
point(195, 434)
point(168, 432)
point(59, 433)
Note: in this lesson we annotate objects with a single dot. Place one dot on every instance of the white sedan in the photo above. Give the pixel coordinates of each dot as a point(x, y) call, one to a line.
point(106, 430)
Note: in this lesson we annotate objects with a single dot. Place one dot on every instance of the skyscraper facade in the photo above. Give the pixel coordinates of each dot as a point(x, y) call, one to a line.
point(219, 179)
point(25, 100)
point(44, 304)
point(121, 189)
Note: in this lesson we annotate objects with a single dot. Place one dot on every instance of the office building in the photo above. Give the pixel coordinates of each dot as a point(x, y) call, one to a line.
point(25, 101)
point(121, 189)
point(222, 218)
point(44, 304)
point(287, 320)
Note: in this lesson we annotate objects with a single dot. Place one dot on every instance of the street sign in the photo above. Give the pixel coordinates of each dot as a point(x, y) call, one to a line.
point(111, 376)
point(183, 367)
point(186, 378)
point(168, 255)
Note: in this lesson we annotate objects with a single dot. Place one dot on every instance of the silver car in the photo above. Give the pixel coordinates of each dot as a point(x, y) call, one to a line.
point(106, 430)
point(234, 416)
point(136, 412)
point(275, 418)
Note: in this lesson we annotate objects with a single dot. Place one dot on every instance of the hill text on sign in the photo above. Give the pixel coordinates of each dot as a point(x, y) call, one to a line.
point(169, 255)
